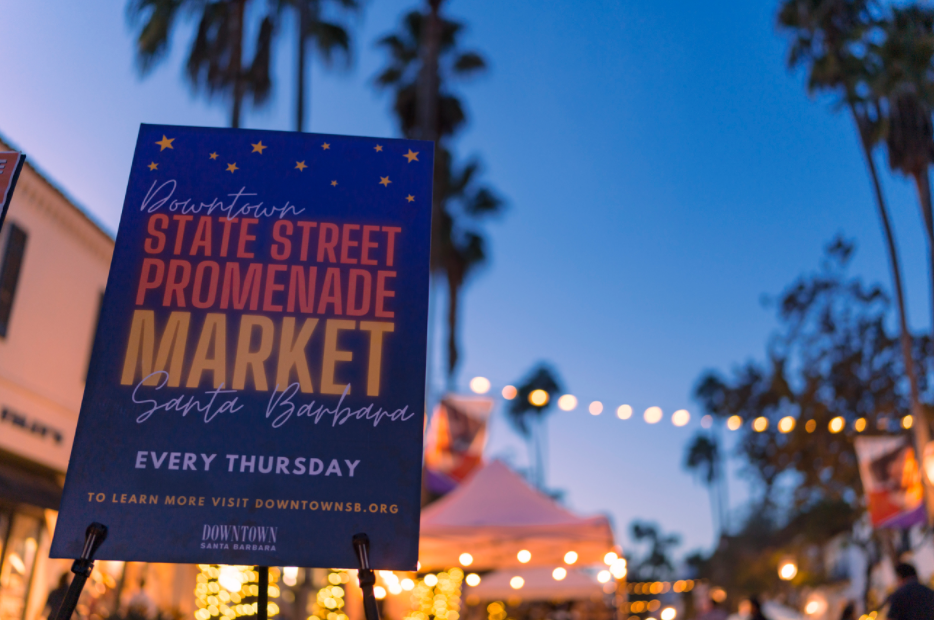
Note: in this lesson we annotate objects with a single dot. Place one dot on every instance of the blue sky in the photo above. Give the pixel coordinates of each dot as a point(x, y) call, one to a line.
point(663, 171)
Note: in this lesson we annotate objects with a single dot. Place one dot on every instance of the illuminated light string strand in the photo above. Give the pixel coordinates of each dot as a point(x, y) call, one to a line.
point(681, 417)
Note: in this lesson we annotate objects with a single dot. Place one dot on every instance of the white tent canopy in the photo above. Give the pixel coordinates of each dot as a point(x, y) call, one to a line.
point(539, 585)
point(495, 513)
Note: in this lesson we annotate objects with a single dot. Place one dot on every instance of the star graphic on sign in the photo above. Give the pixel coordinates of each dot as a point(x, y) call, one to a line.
point(258, 147)
point(232, 167)
point(378, 148)
point(153, 166)
point(333, 183)
point(300, 165)
point(384, 181)
point(165, 143)
point(325, 146)
point(410, 198)
point(411, 156)
point(213, 155)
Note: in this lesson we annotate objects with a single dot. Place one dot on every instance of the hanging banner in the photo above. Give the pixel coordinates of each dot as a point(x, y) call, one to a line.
point(256, 390)
point(891, 477)
point(455, 440)
point(11, 164)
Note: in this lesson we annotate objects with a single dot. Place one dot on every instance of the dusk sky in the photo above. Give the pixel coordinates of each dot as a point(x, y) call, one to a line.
point(662, 169)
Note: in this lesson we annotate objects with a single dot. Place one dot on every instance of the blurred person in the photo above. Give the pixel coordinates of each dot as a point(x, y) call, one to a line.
point(849, 612)
point(911, 601)
point(56, 596)
point(712, 610)
point(141, 604)
point(755, 609)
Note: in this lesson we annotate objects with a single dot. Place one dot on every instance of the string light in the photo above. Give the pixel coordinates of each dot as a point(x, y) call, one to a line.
point(786, 424)
point(568, 402)
point(570, 557)
point(760, 424)
point(836, 425)
point(595, 408)
point(441, 601)
point(524, 556)
point(559, 573)
point(516, 582)
point(859, 425)
point(538, 398)
point(811, 426)
point(624, 412)
point(734, 422)
point(509, 392)
point(465, 559)
point(652, 415)
point(227, 592)
point(907, 422)
point(473, 580)
point(680, 417)
point(480, 385)
point(603, 576)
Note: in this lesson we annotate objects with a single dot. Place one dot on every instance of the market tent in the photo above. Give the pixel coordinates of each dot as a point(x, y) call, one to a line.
point(495, 513)
point(539, 585)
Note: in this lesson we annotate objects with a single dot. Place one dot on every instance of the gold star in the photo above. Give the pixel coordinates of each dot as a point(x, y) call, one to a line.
point(153, 166)
point(258, 147)
point(165, 143)
point(411, 156)
point(333, 183)
point(325, 146)
point(232, 167)
point(384, 181)
point(378, 148)
point(410, 198)
point(213, 155)
point(300, 165)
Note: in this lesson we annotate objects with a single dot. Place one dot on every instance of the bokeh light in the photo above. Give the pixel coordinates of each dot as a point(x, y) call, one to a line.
point(610, 557)
point(465, 559)
point(786, 424)
point(907, 422)
point(473, 580)
point(760, 424)
point(480, 385)
point(680, 417)
point(568, 402)
point(624, 412)
point(604, 576)
point(811, 426)
point(706, 421)
point(516, 582)
point(431, 580)
point(653, 415)
point(509, 392)
point(836, 425)
point(595, 408)
point(859, 425)
point(524, 556)
point(379, 592)
point(734, 422)
point(559, 573)
point(668, 613)
point(538, 398)
point(570, 557)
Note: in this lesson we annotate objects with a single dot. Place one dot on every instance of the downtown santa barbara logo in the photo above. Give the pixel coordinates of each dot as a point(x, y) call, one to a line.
point(239, 537)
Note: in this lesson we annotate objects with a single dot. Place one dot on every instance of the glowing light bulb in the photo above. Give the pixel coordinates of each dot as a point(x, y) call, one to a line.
point(524, 556)
point(516, 582)
point(379, 592)
point(559, 573)
point(624, 412)
point(604, 576)
point(652, 415)
point(570, 557)
point(568, 402)
point(908, 421)
point(786, 424)
point(760, 424)
point(669, 613)
point(595, 408)
point(860, 425)
point(509, 392)
point(680, 417)
point(480, 385)
point(538, 398)
point(465, 559)
point(787, 570)
point(610, 557)
point(734, 422)
point(836, 425)
point(431, 580)
point(473, 580)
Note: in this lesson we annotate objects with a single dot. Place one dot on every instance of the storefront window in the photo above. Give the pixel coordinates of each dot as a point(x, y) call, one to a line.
point(16, 566)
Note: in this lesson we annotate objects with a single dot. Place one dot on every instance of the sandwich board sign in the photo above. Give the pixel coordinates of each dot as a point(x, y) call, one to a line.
point(256, 390)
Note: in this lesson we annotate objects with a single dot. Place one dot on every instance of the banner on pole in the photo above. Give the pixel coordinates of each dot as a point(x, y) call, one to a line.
point(256, 390)
point(11, 164)
point(888, 468)
point(455, 440)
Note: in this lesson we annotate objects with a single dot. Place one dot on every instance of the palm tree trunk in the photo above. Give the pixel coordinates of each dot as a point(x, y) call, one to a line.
point(921, 429)
point(236, 61)
point(300, 78)
point(923, 183)
point(454, 286)
point(428, 80)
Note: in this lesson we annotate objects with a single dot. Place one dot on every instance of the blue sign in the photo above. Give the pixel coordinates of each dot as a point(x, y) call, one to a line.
point(257, 386)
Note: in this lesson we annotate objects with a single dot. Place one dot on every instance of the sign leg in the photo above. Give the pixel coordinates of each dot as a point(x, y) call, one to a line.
point(93, 537)
point(262, 604)
point(361, 544)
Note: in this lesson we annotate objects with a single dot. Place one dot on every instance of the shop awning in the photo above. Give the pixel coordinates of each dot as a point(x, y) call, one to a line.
point(538, 585)
point(495, 513)
point(22, 485)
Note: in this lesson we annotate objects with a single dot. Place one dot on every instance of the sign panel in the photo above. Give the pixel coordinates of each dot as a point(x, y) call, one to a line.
point(256, 391)
point(11, 163)
point(892, 481)
point(455, 440)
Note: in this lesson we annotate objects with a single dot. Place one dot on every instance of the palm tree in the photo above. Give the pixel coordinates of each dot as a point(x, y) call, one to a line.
point(902, 79)
point(425, 60)
point(529, 418)
point(331, 39)
point(703, 458)
point(828, 36)
point(215, 58)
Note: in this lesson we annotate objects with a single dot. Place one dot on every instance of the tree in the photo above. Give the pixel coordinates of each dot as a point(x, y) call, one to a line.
point(656, 564)
point(529, 418)
point(901, 77)
point(331, 39)
point(827, 36)
point(215, 58)
point(425, 61)
point(703, 458)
